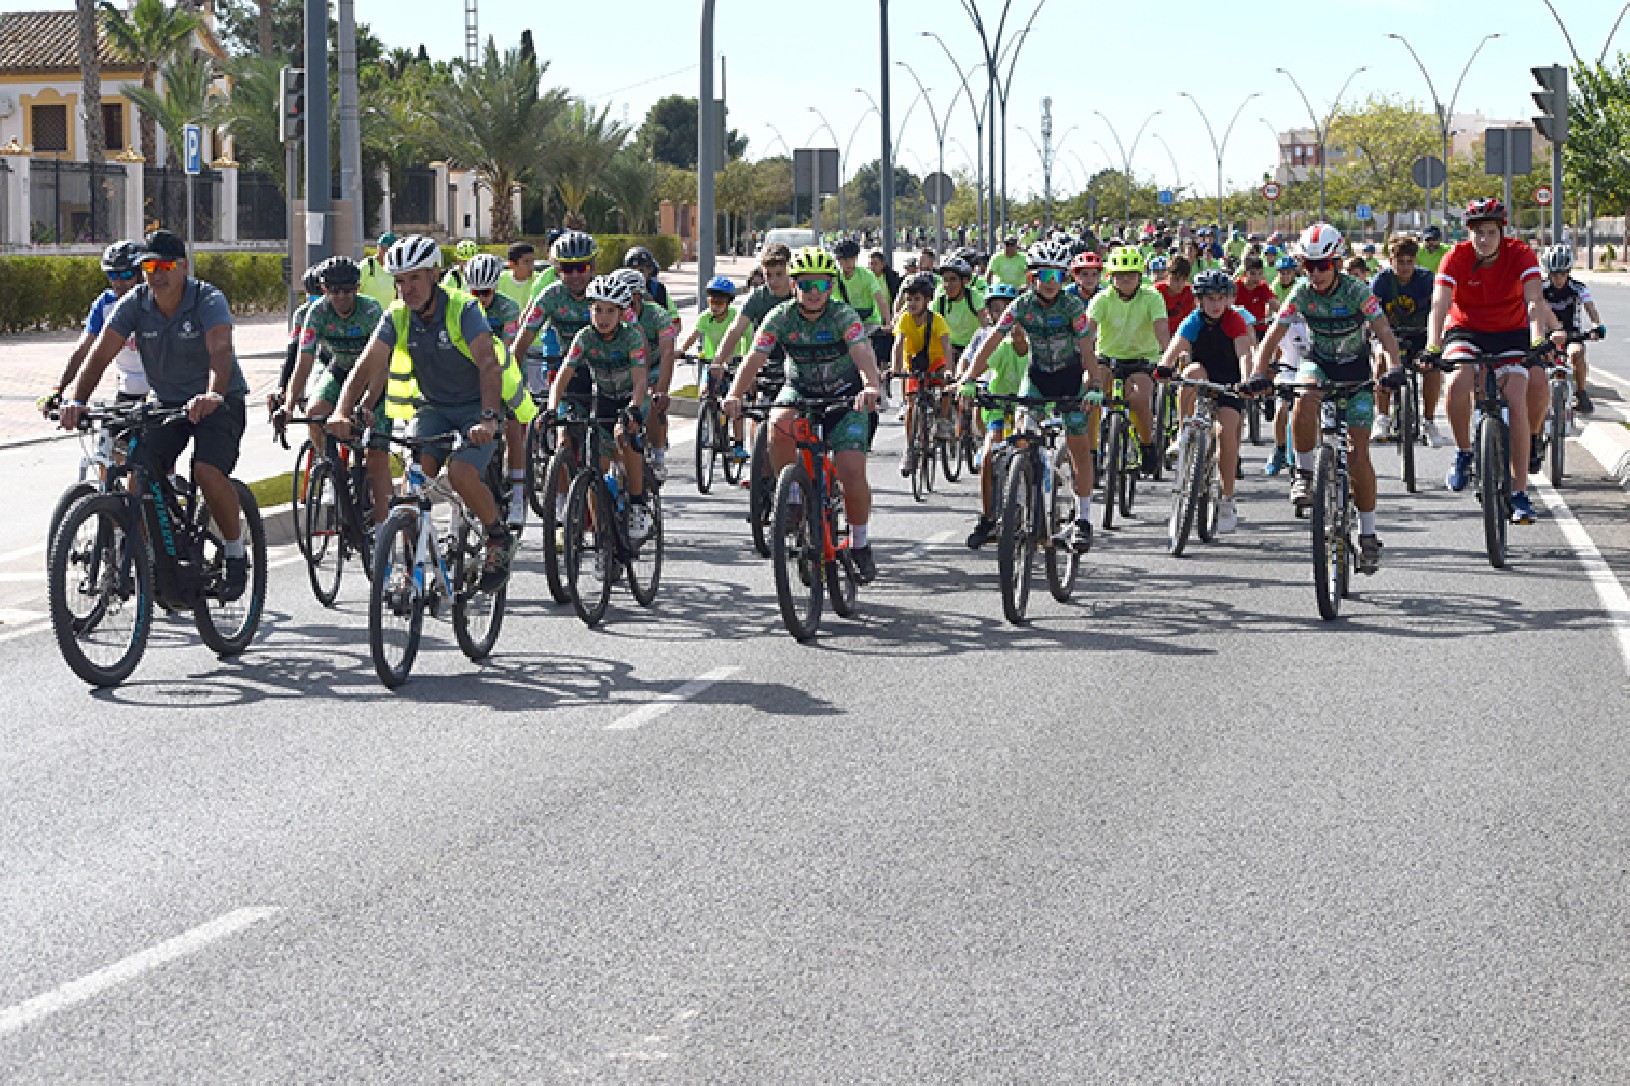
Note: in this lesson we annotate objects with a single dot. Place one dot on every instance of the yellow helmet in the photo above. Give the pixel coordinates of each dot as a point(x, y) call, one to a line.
point(812, 260)
point(1125, 259)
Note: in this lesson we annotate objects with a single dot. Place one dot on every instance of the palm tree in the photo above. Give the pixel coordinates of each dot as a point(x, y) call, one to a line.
point(492, 118)
point(90, 80)
point(577, 152)
point(150, 35)
point(186, 99)
point(251, 115)
point(630, 181)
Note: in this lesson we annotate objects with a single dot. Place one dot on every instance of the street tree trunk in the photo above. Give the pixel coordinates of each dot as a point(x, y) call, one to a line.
point(90, 78)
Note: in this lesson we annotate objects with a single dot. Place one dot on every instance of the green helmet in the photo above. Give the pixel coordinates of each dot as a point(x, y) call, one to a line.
point(812, 260)
point(466, 249)
point(1125, 259)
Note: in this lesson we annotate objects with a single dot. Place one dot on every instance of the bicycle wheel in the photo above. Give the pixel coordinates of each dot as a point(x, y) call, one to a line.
point(299, 482)
point(1344, 536)
point(1558, 429)
point(557, 481)
point(1114, 464)
point(478, 615)
point(1408, 434)
point(951, 451)
point(645, 558)
point(726, 445)
point(923, 450)
point(1205, 517)
point(396, 598)
point(325, 534)
point(1494, 486)
point(100, 590)
point(796, 545)
point(1062, 563)
point(1165, 412)
point(591, 547)
point(706, 455)
point(842, 586)
point(761, 492)
point(228, 627)
point(1132, 468)
point(971, 427)
point(538, 456)
point(1016, 545)
point(1324, 521)
point(1186, 495)
point(65, 503)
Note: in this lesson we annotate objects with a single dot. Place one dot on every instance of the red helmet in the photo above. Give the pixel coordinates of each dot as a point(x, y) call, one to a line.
point(1485, 208)
point(1088, 259)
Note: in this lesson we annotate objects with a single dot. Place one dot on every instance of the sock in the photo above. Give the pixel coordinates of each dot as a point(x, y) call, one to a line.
point(560, 507)
point(1083, 507)
point(661, 455)
point(857, 535)
point(234, 547)
point(1305, 460)
point(1366, 522)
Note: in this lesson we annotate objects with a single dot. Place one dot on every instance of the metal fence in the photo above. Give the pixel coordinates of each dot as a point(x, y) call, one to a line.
point(414, 203)
point(164, 200)
point(61, 208)
point(262, 213)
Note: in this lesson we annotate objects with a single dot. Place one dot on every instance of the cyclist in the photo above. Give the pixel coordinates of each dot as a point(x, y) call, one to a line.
point(1062, 366)
point(1288, 361)
point(183, 329)
point(761, 301)
point(1008, 266)
point(613, 352)
point(376, 282)
point(962, 307)
point(121, 263)
point(1130, 324)
point(860, 290)
point(1087, 269)
point(1565, 295)
point(1006, 367)
point(341, 323)
point(1432, 249)
point(559, 312)
point(465, 251)
point(710, 329)
point(312, 284)
point(1490, 295)
point(645, 261)
point(653, 321)
point(1404, 289)
point(434, 358)
point(922, 350)
point(1337, 307)
point(1252, 292)
point(484, 275)
point(1214, 344)
point(1176, 290)
point(827, 355)
point(518, 280)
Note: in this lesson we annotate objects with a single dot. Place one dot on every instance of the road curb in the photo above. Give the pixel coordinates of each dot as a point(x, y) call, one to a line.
point(1608, 442)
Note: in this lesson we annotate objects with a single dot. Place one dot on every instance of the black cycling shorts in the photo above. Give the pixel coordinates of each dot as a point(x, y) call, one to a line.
point(215, 439)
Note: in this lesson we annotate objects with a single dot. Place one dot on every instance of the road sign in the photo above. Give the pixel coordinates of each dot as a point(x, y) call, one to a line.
point(1542, 196)
point(1508, 151)
point(1427, 171)
point(938, 189)
point(1365, 213)
point(1270, 191)
point(1165, 196)
point(192, 139)
point(815, 171)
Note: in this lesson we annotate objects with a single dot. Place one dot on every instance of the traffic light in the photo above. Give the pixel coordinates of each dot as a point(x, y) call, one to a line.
point(1553, 102)
point(294, 104)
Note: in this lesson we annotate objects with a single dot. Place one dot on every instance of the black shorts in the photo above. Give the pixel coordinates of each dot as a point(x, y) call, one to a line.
point(1128, 367)
point(1224, 371)
point(1477, 346)
point(215, 439)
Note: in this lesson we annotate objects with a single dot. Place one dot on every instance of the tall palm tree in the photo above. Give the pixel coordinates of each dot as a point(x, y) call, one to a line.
point(186, 99)
point(577, 151)
point(150, 35)
point(90, 95)
point(492, 118)
point(251, 114)
point(630, 180)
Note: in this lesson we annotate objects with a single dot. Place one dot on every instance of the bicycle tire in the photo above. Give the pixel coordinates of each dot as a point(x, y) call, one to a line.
point(797, 555)
point(645, 558)
point(538, 456)
point(1061, 562)
point(1114, 465)
point(1322, 530)
point(478, 616)
point(299, 480)
point(590, 530)
point(325, 535)
point(1205, 516)
point(1253, 410)
point(1344, 537)
point(842, 585)
point(1493, 484)
point(1016, 545)
point(1407, 435)
point(724, 438)
point(922, 450)
point(1558, 426)
point(394, 589)
point(1186, 495)
point(761, 491)
point(234, 638)
point(1132, 468)
point(706, 455)
point(951, 450)
point(972, 425)
point(111, 555)
point(1165, 412)
point(64, 503)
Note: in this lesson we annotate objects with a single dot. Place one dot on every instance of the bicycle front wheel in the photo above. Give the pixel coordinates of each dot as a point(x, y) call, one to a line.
point(396, 598)
point(1132, 468)
point(1254, 419)
point(1186, 495)
point(842, 585)
point(706, 455)
point(1165, 423)
point(557, 482)
point(1062, 562)
point(645, 558)
point(1494, 486)
point(300, 481)
point(64, 503)
point(325, 534)
point(1324, 522)
point(100, 589)
point(478, 615)
point(591, 547)
point(1016, 545)
point(1407, 436)
point(922, 450)
point(1114, 464)
point(1558, 426)
point(228, 626)
point(796, 547)
point(761, 492)
point(951, 451)
point(1205, 517)
point(538, 456)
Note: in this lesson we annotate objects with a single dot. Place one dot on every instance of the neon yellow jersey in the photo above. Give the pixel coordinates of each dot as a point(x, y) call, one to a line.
point(713, 331)
point(1126, 326)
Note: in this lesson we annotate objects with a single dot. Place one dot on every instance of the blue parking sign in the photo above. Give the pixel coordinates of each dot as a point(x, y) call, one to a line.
point(1165, 196)
point(1364, 213)
point(192, 139)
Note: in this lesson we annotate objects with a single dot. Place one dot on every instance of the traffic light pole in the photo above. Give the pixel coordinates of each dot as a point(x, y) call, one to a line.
point(1552, 122)
point(319, 180)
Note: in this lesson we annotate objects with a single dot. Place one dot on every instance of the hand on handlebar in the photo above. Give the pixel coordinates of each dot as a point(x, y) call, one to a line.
point(731, 406)
point(1393, 378)
point(866, 399)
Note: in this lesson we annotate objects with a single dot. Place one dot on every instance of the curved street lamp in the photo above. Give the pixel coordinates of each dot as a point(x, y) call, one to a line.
point(1321, 132)
point(1219, 148)
point(1444, 113)
point(1126, 155)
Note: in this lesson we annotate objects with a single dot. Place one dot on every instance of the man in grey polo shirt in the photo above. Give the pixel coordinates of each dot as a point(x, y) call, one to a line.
point(183, 331)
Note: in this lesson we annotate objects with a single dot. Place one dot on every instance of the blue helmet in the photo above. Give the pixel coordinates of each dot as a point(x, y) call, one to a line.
point(1157, 265)
point(1002, 290)
point(721, 284)
point(1286, 263)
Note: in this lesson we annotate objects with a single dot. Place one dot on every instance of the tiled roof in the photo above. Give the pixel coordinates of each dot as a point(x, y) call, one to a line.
point(48, 41)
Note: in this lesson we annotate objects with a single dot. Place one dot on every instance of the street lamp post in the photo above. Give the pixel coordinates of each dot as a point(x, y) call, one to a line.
point(1277, 156)
point(843, 169)
point(791, 181)
point(1126, 157)
point(1444, 113)
point(1177, 174)
point(979, 121)
point(1017, 46)
point(941, 130)
point(1219, 148)
point(990, 50)
point(1320, 132)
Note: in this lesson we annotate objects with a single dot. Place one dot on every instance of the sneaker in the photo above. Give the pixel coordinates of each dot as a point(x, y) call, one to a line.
point(1150, 460)
point(1430, 435)
point(1461, 473)
point(900, 415)
point(908, 462)
point(865, 567)
point(1369, 554)
point(517, 511)
point(1522, 510)
point(982, 532)
point(1301, 491)
point(1083, 537)
point(236, 581)
point(495, 569)
point(1278, 462)
point(659, 471)
point(639, 521)
point(1582, 403)
point(1227, 515)
point(1382, 431)
point(739, 454)
point(1536, 454)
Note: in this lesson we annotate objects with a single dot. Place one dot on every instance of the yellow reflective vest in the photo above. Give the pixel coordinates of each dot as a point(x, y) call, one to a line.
point(401, 388)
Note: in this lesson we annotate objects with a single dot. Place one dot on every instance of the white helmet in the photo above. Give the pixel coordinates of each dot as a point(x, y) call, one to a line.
point(412, 253)
point(632, 278)
point(482, 272)
point(611, 288)
point(1559, 258)
point(1048, 254)
point(1321, 241)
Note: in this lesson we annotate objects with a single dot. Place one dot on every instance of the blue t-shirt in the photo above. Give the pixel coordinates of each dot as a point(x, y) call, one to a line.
point(100, 309)
point(1407, 305)
point(172, 348)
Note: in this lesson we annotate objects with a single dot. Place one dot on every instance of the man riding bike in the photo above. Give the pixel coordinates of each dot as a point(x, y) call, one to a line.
point(1006, 367)
point(484, 274)
point(660, 334)
point(121, 263)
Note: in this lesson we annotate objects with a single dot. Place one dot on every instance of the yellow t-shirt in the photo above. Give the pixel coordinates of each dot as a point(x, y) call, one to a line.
point(911, 334)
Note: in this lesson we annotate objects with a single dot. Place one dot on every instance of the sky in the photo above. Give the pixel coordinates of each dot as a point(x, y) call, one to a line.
point(781, 64)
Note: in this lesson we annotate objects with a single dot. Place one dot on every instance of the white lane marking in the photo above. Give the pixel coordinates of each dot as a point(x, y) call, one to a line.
point(17, 616)
point(921, 550)
point(1611, 378)
point(23, 552)
point(91, 985)
point(23, 576)
point(1615, 602)
point(24, 631)
point(290, 561)
point(665, 703)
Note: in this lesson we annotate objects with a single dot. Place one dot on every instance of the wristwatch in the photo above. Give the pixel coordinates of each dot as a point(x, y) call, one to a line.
point(489, 415)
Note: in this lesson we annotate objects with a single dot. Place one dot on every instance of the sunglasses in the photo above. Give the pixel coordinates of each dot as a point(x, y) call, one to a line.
point(574, 267)
point(159, 265)
point(484, 295)
point(1049, 275)
point(340, 290)
point(1318, 265)
point(128, 273)
point(821, 284)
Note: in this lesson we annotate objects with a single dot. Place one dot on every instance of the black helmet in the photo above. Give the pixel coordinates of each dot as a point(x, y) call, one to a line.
point(340, 271)
point(846, 249)
point(640, 257)
point(921, 283)
point(122, 256)
point(312, 281)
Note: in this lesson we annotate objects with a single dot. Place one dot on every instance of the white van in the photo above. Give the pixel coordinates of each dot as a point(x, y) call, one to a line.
point(794, 238)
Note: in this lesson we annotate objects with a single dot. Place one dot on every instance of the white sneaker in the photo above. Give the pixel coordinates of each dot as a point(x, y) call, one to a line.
point(659, 470)
point(639, 522)
point(1227, 516)
point(900, 415)
point(883, 403)
point(1434, 440)
point(1382, 431)
point(517, 512)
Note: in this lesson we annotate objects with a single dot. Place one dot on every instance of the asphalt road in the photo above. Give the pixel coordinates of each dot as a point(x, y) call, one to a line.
point(1178, 828)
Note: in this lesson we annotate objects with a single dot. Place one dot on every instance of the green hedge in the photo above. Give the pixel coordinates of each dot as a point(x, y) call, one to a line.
point(50, 292)
point(665, 247)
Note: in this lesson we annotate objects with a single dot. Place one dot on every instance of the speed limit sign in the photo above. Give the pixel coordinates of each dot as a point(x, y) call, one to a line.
point(1270, 191)
point(1542, 196)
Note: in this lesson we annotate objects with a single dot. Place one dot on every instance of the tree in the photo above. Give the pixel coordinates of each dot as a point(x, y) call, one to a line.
point(670, 133)
point(251, 114)
point(1596, 156)
point(866, 192)
point(90, 82)
point(630, 183)
point(577, 149)
point(150, 35)
point(186, 99)
point(1382, 139)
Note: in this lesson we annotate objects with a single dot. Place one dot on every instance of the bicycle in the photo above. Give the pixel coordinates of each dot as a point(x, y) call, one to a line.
point(146, 537)
point(1197, 483)
point(924, 438)
point(1332, 512)
point(557, 478)
point(1038, 506)
point(960, 451)
point(108, 449)
point(1559, 424)
point(1407, 428)
point(420, 566)
point(598, 545)
point(760, 476)
point(1166, 425)
point(809, 500)
point(338, 514)
point(713, 437)
point(1120, 454)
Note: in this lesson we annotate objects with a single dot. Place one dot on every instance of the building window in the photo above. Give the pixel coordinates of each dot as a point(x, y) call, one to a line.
point(113, 125)
point(50, 128)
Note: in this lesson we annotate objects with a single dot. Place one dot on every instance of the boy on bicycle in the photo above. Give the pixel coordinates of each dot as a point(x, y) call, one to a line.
point(922, 346)
point(1130, 323)
point(1404, 290)
point(710, 328)
point(1565, 295)
point(1007, 369)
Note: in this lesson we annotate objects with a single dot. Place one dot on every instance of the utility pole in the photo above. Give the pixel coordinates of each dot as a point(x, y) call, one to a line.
point(1047, 161)
point(319, 180)
point(887, 193)
point(707, 157)
point(350, 131)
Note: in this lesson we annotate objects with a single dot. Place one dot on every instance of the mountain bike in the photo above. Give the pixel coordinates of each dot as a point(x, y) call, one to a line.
point(1332, 513)
point(422, 565)
point(924, 436)
point(810, 529)
point(714, 442)
point(598, 545)
point(1038, 505)
point(1120, 455)
point(146, 537)
point(1197, 483)
point(1166, 423)
point(556, 484)
point(965, 450)
point(1559, 424)
point(338, 513)
point(760, 475)
point(107, 449)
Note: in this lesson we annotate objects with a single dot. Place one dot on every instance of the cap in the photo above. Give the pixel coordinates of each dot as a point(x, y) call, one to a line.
point(164, 245)
point(386, 240)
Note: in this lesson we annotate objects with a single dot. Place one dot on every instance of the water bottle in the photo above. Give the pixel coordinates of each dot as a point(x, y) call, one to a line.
point(415, 475)
point(1047, 476)
point(616, 494)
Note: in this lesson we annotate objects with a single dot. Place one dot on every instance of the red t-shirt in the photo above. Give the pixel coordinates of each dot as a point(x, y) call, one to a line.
point(1255, 302)
point(1178, 306)
point(1488, 298)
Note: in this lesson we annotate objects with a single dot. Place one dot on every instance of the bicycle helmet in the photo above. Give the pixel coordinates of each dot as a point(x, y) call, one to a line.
point(312, 281)
point(846, 249)
point(466, 250)
point(721, 284)
point(1125, 259)
point(122, 256)
point(640, 257)
point(1047, 254)
point(1485, 209)
point(340, 272)
point(1213, 281)
point(610, 288)
point(1086, 260)
point(1558, 258)
point(574, 245)
point(412, 253)
point(1002, 290)
point(1286, 263)
point(1321, 241)
point(482, 272)
point(957, 266)
point(922, 283)
point(632, 278)
point(1432, 233)
point(812, 260)
point(1158, 265)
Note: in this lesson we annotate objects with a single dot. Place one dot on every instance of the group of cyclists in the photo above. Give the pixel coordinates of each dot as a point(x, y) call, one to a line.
point(492, 349)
